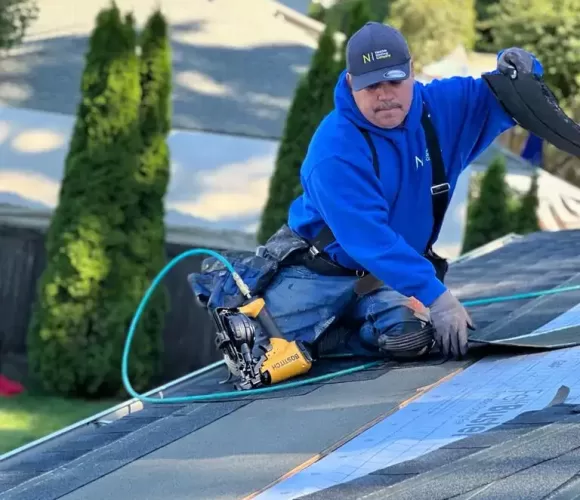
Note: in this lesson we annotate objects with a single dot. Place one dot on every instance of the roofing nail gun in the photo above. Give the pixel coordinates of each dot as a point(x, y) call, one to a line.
point(235, 337)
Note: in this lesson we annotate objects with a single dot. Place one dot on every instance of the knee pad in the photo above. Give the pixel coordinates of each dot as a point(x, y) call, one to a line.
point(411, 343)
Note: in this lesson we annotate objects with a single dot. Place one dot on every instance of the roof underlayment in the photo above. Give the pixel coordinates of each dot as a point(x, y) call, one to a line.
point(423, 430)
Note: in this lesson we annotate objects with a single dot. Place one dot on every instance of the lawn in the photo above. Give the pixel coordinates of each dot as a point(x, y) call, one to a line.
point(26, 417)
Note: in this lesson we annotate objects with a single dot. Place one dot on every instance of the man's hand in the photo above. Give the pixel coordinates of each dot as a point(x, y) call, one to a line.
point(450, 321)
point(515, 60)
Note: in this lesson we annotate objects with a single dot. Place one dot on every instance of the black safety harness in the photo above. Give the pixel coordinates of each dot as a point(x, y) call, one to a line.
point(439, 195)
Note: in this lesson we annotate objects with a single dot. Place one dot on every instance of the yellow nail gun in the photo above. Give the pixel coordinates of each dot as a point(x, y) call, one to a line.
point(235, 336)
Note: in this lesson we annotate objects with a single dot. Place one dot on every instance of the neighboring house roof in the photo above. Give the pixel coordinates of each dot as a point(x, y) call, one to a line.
point(236, 63)
point(514, 163)
point(402, 424)
point(193, 234)
point(301, 6)
point(205, 188)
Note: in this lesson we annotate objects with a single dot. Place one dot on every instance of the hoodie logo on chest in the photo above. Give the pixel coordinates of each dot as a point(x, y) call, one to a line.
point(419, 161)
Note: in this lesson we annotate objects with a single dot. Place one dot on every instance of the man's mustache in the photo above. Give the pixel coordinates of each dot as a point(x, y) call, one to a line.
point(387, 106)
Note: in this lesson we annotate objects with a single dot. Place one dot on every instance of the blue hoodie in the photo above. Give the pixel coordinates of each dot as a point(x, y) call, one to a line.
point(340, 186)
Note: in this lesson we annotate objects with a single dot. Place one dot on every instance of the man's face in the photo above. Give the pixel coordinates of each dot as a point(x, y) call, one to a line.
point(385, 104)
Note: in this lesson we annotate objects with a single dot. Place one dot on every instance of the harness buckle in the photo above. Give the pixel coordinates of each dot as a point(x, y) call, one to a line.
point(313, 251)
point(440, 188)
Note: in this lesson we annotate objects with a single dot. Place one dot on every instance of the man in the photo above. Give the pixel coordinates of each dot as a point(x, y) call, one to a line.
point(377, 178)
point(382, 224)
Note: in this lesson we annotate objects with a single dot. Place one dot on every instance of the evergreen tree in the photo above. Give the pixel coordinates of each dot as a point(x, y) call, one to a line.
point(434, 28)
point(85, 296)
point(354, 19)
point(550, 29)
point(488, 215)
point(146, 226)
point(526, 218)
point(312, 101)
point(16, 16)
point(484, 41)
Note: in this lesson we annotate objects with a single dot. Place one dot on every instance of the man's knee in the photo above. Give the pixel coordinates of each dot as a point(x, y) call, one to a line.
point(403, 329)
point(412, 340)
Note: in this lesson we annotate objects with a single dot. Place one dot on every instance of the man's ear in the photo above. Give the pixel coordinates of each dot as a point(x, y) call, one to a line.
point(348, 78)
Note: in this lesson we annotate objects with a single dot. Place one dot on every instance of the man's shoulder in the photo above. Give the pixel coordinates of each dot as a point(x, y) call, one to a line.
point(335, 138)
point(441, 92)
point(336, 129)
point(339, 150)
point(446, 99)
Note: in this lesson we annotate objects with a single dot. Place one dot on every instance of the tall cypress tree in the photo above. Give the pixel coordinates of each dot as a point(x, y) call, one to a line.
point(82, 311)
point(488, 213)
point(312, 101)
point(358, 15)
point(146, 226)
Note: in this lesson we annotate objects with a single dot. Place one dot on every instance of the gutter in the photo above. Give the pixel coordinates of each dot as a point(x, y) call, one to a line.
point(487, 248)
point(111, 414)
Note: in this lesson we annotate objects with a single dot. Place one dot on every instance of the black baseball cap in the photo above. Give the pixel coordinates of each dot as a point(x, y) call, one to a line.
point(377, 53)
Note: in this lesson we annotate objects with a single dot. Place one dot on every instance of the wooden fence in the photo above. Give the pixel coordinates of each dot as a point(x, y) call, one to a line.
point(188, 333)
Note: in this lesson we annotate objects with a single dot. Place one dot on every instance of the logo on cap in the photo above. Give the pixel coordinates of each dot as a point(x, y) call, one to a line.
point(375, 55)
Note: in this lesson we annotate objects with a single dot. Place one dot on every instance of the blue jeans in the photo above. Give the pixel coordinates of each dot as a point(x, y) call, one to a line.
point(307, 306)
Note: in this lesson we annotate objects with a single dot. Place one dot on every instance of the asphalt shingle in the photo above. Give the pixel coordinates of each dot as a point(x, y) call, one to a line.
point(163, 423)
point(105, 459)
point(537, 262)
point(534, 483)
point(528, 458)
point(358, 488)
point(568, 491)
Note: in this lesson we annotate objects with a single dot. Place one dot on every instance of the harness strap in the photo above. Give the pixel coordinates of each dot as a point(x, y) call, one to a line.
point(325, 236)
point(439, 185)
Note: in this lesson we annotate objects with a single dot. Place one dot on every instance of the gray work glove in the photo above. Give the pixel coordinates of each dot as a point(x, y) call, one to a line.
point(516, 59)
point(450, 321)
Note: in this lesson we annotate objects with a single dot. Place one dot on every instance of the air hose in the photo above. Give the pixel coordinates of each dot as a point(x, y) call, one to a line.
point(269, 389)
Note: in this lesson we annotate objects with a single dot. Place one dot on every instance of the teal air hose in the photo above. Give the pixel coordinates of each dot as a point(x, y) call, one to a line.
point(277, 387)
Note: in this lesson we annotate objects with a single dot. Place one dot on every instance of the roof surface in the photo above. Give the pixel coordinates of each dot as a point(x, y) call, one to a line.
point(236, 64)
point(283, 445)
point(529, 457)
